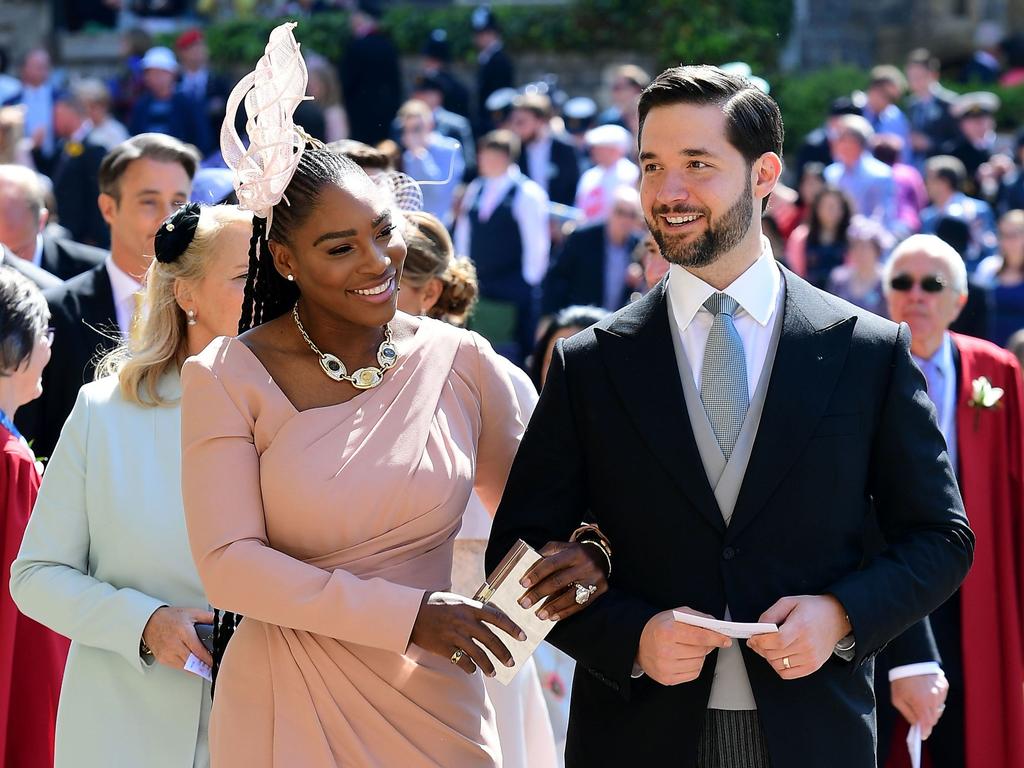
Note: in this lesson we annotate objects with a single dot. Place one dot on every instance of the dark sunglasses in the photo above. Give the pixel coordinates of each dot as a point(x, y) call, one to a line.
point(929, 283)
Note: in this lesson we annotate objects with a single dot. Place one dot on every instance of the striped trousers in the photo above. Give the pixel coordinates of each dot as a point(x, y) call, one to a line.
point(732, 739)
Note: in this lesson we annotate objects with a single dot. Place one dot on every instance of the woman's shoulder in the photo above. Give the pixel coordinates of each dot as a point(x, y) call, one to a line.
point(14, 450)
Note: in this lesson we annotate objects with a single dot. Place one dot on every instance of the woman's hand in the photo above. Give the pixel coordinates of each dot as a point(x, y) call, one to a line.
point(171, 635)
point(448, 623)
point(563, 566)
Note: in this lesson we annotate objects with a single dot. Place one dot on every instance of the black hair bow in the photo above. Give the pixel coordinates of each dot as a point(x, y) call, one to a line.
point(176, 233)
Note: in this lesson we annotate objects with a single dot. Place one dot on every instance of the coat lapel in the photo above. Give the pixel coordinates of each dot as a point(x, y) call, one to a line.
point(810, 357)
point(641, 364)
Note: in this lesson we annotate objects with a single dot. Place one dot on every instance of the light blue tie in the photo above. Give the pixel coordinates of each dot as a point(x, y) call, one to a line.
point(723, 381)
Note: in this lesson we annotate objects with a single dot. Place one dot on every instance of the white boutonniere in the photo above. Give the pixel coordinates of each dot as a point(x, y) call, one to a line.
point(984, 397)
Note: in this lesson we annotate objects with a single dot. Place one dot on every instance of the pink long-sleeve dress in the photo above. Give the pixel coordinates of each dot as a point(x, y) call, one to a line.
point(324, 528)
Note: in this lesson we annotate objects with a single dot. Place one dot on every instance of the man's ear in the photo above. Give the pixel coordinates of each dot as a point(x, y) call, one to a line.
point(108, 206)
point(767, 171)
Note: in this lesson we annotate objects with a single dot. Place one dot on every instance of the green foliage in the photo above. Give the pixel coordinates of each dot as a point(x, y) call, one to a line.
point(805, 98)
point(729, 30)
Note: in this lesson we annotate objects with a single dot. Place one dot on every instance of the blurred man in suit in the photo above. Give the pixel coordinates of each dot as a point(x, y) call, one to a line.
point(75, 172)
point(205, 87)
point(978, 634)
point(141, 182)
point(164, 108)
point(429, 90)
point(592, 266)
point(23, 219)
point(929, 107)
point(36, 95)
point(42, 279)
point(495, 67)
point(437, 58)
point(371, 80)
point(547, 159)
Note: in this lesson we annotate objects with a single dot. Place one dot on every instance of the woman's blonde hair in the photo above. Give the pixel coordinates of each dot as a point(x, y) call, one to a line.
point(162, 343)
point(430, 254)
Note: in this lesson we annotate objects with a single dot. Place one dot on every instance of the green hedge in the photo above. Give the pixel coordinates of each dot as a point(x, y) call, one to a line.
point(749, 30)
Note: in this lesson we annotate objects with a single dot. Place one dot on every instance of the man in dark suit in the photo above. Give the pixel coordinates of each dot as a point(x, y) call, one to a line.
point(548, 159)
point(437, 57)
point(371, 80)
point(205, 87)
point(75, 172)
point(141, 182)
point(593, 264)
point(495, 67)
point(728, 432)
point(929, 106)
point(43, 279)
point(164, 108)
point(23, 227)
point(978, 634)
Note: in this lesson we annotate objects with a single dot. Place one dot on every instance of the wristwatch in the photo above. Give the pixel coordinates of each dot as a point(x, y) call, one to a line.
point(846, 648)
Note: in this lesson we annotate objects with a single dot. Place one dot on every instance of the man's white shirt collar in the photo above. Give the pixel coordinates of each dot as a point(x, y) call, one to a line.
point(756, 290)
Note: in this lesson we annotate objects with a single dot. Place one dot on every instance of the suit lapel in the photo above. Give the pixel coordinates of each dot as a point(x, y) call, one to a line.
point(810, 357)
point(640, 359)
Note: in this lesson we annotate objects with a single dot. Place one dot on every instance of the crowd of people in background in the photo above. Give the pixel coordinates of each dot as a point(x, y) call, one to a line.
point(536, 191)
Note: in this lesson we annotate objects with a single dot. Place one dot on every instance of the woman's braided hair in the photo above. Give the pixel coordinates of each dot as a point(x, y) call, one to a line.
point(267, 293)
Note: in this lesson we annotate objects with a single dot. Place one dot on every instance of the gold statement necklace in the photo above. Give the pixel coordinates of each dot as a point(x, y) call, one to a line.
point(363, 378)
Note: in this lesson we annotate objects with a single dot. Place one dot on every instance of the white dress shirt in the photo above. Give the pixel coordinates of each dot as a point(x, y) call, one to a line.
point(124, 287)
point(538, 160)
point(530, 209)
point(757, 291)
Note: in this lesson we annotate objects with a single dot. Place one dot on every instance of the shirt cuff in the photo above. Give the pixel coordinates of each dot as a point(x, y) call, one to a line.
point(915, 670)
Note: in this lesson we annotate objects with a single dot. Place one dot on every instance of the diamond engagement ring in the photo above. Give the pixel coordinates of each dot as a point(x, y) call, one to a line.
point(457, 656)
point(583, 594)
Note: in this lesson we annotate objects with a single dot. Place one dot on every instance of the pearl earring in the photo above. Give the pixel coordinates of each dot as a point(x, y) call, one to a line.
point(191, 317)
point(291, 278)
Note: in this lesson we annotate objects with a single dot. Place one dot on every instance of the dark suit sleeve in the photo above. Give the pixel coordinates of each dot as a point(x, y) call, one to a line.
point(545, 499)
point(555, 293)
point(914, 646)
point(920, 515)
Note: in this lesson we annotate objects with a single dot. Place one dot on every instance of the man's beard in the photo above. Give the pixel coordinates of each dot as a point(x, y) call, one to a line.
point(719, 237)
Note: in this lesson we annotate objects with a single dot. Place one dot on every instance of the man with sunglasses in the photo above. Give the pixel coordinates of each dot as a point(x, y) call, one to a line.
point(978, 634)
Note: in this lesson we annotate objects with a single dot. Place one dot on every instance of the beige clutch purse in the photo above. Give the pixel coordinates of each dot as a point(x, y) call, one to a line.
point(503, 590)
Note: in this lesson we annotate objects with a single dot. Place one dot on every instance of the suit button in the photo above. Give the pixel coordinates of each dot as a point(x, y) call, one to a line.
point(728, 553)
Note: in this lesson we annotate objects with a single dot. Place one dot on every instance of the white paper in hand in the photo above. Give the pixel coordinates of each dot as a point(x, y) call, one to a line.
point(914, 745)
point(738, 629)
point(197, 667)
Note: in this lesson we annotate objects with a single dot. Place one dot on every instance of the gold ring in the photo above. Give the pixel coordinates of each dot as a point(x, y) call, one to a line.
point(785, 662)
point(457, 656)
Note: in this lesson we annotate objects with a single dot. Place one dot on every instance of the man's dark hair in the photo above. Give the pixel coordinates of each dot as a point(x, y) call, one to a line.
point(154, 146)
point(922, 57)
point(948, 168)
point(753, 121)
point(501, 140)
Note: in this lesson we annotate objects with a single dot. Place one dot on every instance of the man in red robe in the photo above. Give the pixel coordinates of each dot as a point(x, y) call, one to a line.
point(979, 633)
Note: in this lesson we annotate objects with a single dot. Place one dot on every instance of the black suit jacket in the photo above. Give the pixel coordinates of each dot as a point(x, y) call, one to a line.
point(85, 327)
point(371, 84)
point(76, 188)
point(563, 174)
point(66, 258)
point(846, 420)
point(497, 72)
point(42, 279)
point(577, 274)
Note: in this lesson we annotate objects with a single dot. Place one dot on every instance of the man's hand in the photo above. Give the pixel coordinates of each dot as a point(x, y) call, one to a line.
point(809, 628)
point(920, 699)
point(171, 635)
point(672, 652)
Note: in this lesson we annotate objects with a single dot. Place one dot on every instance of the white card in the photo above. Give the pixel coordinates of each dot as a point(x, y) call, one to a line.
point(197, 667)
point(738, 629)
point(914, 745)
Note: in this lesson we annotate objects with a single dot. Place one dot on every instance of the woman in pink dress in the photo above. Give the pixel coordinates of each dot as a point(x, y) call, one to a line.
point(328, 454)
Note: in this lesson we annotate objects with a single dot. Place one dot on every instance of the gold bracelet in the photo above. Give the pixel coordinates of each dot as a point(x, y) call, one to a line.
point(591, 530)
point(604, 551)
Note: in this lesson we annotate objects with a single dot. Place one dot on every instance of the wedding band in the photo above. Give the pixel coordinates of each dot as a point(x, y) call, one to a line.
point(457, 656)
point(583, 594)
point(785, 662)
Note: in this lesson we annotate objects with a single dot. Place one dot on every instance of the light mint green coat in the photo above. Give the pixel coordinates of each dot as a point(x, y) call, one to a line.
point(105, 547)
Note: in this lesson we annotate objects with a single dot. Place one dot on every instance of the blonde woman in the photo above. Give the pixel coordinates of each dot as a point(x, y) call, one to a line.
point(438, 285)
point(105, 557)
